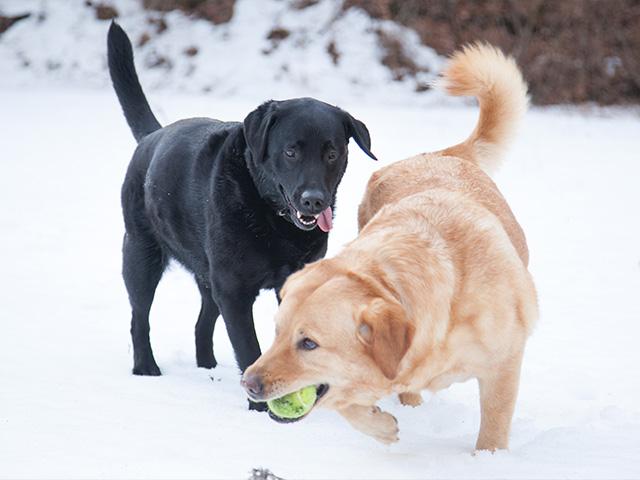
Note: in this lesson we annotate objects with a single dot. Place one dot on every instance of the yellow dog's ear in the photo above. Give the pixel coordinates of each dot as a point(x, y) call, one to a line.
point(386, 334)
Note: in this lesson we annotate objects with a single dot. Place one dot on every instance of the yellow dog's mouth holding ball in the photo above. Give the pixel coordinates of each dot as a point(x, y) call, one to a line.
point(296, 405)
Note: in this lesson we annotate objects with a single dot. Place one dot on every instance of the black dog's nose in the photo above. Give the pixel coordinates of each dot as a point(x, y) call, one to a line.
point(313, 201)
point(252, 383)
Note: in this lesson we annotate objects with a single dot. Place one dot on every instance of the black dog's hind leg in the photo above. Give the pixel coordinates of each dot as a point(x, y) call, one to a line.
point(209, 313)
point(143, 265)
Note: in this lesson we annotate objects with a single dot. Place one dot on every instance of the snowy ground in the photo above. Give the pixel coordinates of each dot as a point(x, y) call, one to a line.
point(69, 407)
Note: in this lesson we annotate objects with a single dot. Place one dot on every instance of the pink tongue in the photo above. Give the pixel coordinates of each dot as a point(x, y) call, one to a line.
point(325, 220)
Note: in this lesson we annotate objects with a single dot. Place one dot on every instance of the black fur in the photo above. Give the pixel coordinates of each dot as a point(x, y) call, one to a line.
point(220, 197)
point(139, 116)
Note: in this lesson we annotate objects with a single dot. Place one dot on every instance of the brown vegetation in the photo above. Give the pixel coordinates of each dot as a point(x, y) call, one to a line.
point(278, 33)
point(105, 12)
point(216, 11)
point(395, 58)
point(571, 51)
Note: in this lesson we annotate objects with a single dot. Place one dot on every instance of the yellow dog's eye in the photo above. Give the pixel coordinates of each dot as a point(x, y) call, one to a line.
point(307, 344)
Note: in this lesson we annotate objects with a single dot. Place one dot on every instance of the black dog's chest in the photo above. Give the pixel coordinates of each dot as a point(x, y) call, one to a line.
point(262, 249)
point(287, 257)
point(206, 212)
point(247, 237)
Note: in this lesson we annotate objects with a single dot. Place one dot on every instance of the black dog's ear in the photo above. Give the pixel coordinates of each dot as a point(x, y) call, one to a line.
point(256, 128)
point(359, 132)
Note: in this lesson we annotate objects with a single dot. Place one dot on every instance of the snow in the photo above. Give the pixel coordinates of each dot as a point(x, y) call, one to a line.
point(63, 43)
point(69, 407)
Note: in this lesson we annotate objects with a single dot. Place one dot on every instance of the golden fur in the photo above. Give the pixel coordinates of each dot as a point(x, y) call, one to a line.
point(434, 290)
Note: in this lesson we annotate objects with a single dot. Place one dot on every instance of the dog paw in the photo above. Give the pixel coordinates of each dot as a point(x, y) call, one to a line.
point(147, 369)
point(372, 421)
point(491, 447)
point(384, 426)
point(207, 362)
point(410, 399)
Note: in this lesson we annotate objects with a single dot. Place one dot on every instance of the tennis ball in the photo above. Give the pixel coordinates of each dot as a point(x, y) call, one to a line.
point(295, 404)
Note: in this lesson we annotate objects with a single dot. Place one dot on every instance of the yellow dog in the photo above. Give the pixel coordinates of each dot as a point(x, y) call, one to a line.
point(434, 290)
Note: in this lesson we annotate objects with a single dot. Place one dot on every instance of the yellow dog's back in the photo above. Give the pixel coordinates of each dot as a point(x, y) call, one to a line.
point(484, 72)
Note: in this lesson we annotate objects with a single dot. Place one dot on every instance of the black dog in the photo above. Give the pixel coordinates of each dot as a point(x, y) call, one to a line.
point(236, 203)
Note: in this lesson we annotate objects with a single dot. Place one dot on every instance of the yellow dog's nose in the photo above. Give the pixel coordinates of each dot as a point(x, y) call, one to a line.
point(252, 383)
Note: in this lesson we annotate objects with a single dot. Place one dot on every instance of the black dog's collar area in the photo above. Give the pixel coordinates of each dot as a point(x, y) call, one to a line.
point(321, 390)
point(303, 222)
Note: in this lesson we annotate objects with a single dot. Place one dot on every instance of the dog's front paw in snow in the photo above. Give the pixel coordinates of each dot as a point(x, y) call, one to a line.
point(385, 427)
point(372, 421)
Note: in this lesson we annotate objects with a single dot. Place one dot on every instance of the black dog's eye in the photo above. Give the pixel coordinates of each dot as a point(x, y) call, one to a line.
point(289, 152)
point(332, 155)
point(307, 344)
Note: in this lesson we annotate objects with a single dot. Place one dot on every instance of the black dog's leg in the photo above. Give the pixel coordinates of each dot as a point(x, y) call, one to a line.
point(238, 318)
point(209, 313)
point(237, 312)
point(143, 265)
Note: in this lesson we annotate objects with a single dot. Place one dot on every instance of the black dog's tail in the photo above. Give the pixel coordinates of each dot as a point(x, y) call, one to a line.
point(134, 104)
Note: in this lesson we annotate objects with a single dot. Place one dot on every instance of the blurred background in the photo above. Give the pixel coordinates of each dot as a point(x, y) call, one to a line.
point(571, 51)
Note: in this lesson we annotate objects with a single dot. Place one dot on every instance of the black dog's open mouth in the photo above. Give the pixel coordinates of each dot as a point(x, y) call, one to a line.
point(303, 222)
point(321, 390)
point(307, 220)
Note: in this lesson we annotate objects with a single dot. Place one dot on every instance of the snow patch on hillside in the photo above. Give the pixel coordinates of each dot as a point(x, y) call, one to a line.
point(325, 52)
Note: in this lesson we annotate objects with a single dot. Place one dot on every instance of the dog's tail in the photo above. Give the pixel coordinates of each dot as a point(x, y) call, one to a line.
point(484, 72)
point(134, 104)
